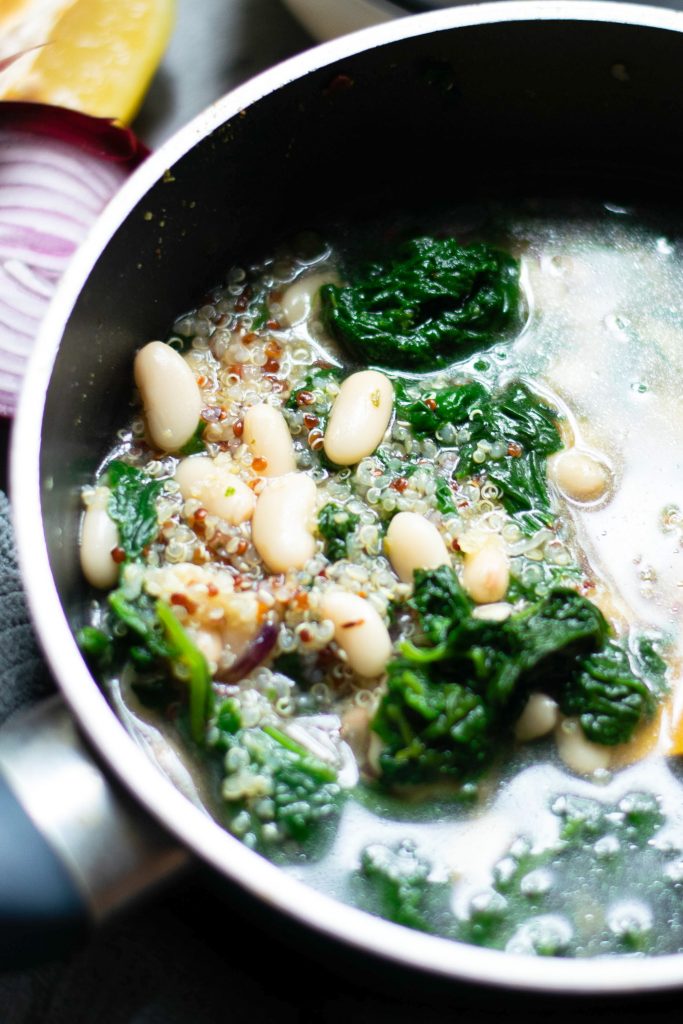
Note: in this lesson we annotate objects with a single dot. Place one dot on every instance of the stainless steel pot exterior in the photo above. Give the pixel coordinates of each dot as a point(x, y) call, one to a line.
point(528, 94)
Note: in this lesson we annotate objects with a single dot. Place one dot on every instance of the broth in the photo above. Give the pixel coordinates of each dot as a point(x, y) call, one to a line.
point(495, 858)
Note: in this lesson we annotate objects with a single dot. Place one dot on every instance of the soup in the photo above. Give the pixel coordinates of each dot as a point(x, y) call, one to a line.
point(388, 556)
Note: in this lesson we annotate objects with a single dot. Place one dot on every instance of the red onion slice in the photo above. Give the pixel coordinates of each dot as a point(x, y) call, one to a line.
point(58, 170)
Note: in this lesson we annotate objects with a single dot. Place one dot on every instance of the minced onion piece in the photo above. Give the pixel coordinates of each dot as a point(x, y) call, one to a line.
point(58, 169)
point(257, 651)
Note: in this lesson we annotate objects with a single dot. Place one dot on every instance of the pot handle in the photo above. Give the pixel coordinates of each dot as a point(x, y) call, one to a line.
point(42, 912)
point(74, 846)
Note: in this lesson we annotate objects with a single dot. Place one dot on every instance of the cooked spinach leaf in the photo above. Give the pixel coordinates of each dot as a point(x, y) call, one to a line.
point(424, 306)
point(542, 901)
point(444, 497)
point(394, 883)
point(304, 669)
point(95, 644)
point(152, 642)
point(132, 506)
point(550, 633)
point(436, 407)
point(451, 701)
point(275, 789)
point(433, 729)
point(440, 602)
point(336, 524)
point(189, 664)
point(516, 433)
point(507, 439)
point(610, 696)
point(141, 621)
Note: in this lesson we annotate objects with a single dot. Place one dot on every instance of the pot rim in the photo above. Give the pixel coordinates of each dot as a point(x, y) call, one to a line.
point(188, 823)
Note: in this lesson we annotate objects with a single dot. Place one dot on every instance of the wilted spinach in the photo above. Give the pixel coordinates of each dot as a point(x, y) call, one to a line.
point(394, 883)
point(453, 698)
point(609, 693)
point(274, 788)
point(152, 642)
point(336, 524)
point(507, 439)
point(132, 506)
point(424, 305)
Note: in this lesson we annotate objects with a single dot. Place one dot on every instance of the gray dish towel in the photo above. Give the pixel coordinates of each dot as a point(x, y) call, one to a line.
point(22, 672)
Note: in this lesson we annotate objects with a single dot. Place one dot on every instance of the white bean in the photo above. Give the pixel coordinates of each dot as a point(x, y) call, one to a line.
point(486, 572)
point(99, 536)
point(301, 298)
point(284, 521)
point(170, 395)
point(360, 416)
point(579, 475)
point(413, 542)
point(359, 631)
point(267, 435)
point(221, 492)
point(577, 752)
point(499, 611)
point(540, 716)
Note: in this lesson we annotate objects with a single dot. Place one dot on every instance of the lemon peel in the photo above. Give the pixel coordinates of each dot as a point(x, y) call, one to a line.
point(96, 56)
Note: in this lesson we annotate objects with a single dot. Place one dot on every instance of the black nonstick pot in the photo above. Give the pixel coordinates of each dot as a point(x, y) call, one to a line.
point(572, 97)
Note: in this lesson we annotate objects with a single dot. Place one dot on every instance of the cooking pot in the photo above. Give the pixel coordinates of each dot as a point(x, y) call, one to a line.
point(530, 96)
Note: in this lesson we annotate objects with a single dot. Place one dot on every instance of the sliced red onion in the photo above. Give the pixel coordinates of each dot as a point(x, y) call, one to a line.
point(257, 651)
point(58, 169)
point(96, 135)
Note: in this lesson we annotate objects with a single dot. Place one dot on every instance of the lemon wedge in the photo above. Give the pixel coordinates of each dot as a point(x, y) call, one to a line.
point(96, 56)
